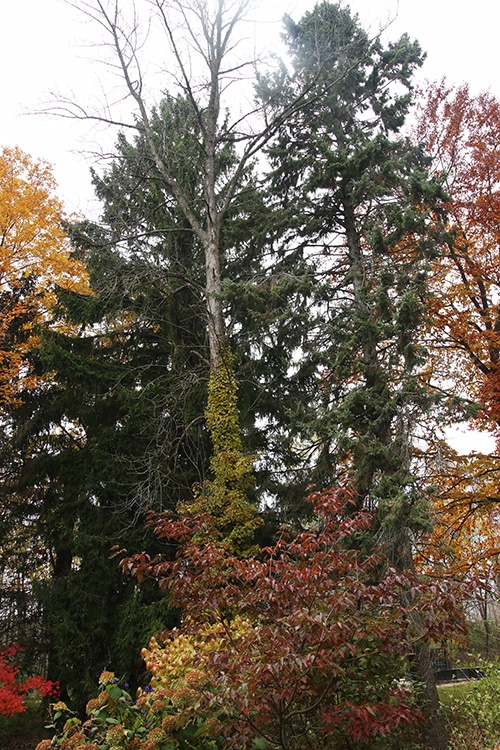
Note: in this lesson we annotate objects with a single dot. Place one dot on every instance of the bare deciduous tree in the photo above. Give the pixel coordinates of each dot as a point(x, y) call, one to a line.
point(205, 63)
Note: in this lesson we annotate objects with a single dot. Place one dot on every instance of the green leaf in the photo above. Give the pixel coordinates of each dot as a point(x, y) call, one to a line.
point(259, 743)
point(114, 692)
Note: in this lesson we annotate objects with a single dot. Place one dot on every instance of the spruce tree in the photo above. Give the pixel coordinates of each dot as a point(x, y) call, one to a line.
point(360, 199)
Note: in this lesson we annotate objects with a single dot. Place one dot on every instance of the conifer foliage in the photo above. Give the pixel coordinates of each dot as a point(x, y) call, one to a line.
point(358, 196)
point(253, 322)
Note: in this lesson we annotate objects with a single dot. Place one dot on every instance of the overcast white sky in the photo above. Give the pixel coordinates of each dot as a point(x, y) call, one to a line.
point(41, 50)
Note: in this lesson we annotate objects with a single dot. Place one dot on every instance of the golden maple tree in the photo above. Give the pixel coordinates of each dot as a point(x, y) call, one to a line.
point(35, 259)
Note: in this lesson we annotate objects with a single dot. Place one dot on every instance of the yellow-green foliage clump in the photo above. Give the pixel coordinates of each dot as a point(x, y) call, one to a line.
point(225, 496)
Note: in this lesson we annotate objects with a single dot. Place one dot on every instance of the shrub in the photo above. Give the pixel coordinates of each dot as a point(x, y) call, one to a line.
point(301, 646)
point(116, 720)
point(305, 643)
point(13, 691)
point(475, 714)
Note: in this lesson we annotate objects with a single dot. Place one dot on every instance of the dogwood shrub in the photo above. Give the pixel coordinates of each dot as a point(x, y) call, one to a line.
point(305, 644)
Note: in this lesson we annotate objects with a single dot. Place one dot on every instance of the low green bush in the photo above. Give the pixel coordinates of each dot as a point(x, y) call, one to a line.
point(473, 711)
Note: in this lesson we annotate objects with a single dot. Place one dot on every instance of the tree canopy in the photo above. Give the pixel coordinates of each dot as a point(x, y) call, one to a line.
point(292, 294)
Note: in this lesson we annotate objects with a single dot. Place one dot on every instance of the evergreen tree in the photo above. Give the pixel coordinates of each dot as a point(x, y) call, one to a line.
point(118, 427)
point(359, 197)
point(74, 463)
point(146, 265)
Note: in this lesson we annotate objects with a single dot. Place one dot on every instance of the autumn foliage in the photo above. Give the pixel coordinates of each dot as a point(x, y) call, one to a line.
point(13, 691)
point(317, 639)
point(309, 639)
point(461, 133)
point(224, 498)
point(34, 260)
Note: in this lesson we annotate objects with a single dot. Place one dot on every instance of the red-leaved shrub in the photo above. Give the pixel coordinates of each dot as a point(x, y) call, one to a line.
point(13, 691)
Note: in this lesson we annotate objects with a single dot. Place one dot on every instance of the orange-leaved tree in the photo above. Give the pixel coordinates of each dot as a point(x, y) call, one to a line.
point(34, 260)
point(461, 132)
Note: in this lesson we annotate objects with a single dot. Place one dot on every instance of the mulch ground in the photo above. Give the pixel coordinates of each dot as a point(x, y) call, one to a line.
point(21, 741)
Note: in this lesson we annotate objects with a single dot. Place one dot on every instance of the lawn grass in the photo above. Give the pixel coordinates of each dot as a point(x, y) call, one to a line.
point(449, 692)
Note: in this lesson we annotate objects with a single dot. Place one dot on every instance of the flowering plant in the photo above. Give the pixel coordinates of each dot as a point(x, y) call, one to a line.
point(116, 721)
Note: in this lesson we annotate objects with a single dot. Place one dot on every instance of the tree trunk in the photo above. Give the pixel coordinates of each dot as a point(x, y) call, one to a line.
point(215, 322)
point(434, 734)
